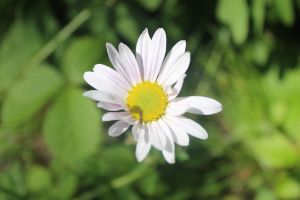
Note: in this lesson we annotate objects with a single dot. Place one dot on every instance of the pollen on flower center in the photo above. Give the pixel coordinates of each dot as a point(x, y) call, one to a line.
point(147, 101)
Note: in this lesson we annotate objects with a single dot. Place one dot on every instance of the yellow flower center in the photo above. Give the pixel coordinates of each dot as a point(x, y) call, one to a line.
point(147, 101)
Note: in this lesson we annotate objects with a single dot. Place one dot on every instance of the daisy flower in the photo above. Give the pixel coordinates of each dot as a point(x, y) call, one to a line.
point(141, 91)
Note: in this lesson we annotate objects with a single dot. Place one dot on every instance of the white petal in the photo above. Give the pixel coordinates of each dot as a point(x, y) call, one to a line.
point(129, 119)
point(204, 105)
point(157, 138)
point(100, 96)
point(176, 108)
point(114, 116)
point(112, 53)
point(138, 131)
point(103, 70)
point(158, 50)
point(115, 59)
point(179, 134)
point(169, 156)
point(145, 129)
point(171, 58)
point(169, 90)
point(135, 131)
point(142, 149)
point(178, 69)
point(92, 79)
point(177, 88)
point(129, 62)
point(106, 80)
point(194, 104)
point(143, 146)
point(109, 106)
point(169, 151)
point(189, 126)
point(143, 54)
point(118, 128)
point(139, 50)
point(167, 132)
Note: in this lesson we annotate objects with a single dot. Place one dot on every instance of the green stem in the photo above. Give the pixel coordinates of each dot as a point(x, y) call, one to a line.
point(132, 176)
point(41, 55)
point(137, 173)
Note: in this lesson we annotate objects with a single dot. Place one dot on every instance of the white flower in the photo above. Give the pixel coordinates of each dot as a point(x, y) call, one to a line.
point(142, 92)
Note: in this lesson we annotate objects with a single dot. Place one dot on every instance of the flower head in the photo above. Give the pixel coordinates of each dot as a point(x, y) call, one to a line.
point(141, 91)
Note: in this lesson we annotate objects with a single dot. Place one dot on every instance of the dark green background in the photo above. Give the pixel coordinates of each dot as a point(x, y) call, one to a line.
point(245, 54)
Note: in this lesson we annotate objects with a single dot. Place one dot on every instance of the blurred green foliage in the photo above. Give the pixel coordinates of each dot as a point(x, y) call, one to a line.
point(53, 144)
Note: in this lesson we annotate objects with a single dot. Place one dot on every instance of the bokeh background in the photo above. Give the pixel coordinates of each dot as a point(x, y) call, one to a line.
point(245, 54)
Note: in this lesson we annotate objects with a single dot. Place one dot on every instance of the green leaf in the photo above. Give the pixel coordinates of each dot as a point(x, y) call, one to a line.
point(126, 24)
point(111, 156)
point(258, 14)
point(29, 95)
point(99, 24)
point(38, 179)
point(291, 100)
point(150, 5)
point(260, 51)
point(127, 192)
point(287, 187)
point(284, 11)
point(20, 43)
point(12, 179)
point(264, 194)
point(72, 127)
point(284, 101)
point(81, 56)
point(65, 183)
point(148, 184)
point(235, 14)
point(274, 151)
point(65, 187)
